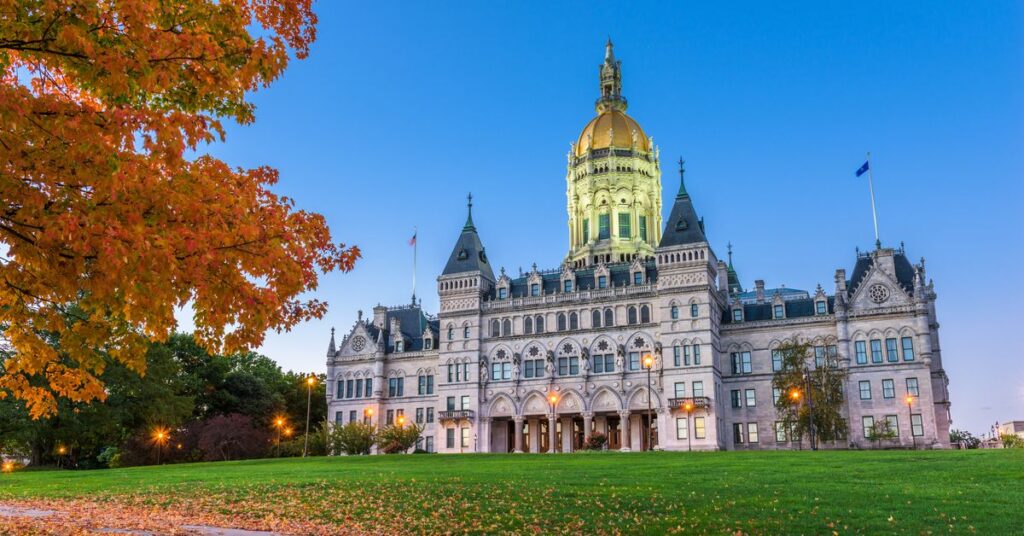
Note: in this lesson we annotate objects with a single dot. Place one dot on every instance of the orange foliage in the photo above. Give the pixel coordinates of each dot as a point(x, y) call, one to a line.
point(106, 226)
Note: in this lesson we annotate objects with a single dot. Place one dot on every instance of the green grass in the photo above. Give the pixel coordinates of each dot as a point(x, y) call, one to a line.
point(653, 493)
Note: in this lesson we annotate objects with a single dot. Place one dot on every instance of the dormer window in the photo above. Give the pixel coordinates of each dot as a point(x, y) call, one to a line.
point(638, 278)
point(567, 285)
point(534, 289)
point(779, 311)
point(602, 281)
point(820, 307)
point(399, 345)
point(502, 293)
point(737, 314)
point(428, 344)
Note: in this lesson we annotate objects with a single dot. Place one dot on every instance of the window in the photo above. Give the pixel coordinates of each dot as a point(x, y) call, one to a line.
point(506, 327)
point(751, 432)
point(603, 224)
point(465, 437)
point(698, 427)
point(399, 345)
point(390, 417)
point(819, 356)
point(908, 348)
point(568, 366)
point(865, 390)
point(625, 230)
point(737, 433)
point(779, 311)
point(696, 354)
point(339, 417)
point(912, 389)
point(451, 373)
point(359, 387)
point(561, 321)
point(528, 325)
point(396, 386)
point(369, 387)
point(751, 398)
point(340, 392)
point(502, 293)
point(430, 415)
point(888, 389)
point(429, 443)
point(602, 281)
point(682, 426)
point(862, 352)
point(534, 289)
point(867, 422)
point(776, 360)
point(638, 278)
point(425, 385)
point(574, 321)
point(609, 318)
point(776, 393)
point(735, 396)
point(349, 392)
point(698, 388)
point(686, 355)
point(496, 371)
point(916, 425)
point(449, 403)
point(694, 310)
point(427, 344)
point(419, 415)
point(675, 355)
point(465, 402)
point(631, 315)
point(450, 438)
point(820, 307)
point(780, 432)
point(539, 324)
point(894, 423)
point(451, 333)
point(675, 312)
point(680, 389)
point(567, 285)
point(737, 315)
point(741, 363)
point(352, 416)
point(533, 368)
point(645, 314)
point(890, 351)
point(595, 319)
point(634, 361)
point(604, 363)
point(586, 230)
point(876, 351)
point(643, 227)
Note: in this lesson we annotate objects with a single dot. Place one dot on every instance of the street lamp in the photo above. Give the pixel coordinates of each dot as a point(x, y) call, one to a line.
point(810, 410)
point(160, 437)
point(279, 424)
point(689, 433)
point(400, 420)
point(649, 364)
point(310, 382)
point(910, 417)
point(553, 398)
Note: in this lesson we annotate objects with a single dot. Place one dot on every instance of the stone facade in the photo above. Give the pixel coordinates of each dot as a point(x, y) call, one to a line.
point(646, 337)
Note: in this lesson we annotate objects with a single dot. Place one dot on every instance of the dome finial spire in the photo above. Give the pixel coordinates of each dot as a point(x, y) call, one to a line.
point(682, 178)
point(609, 54)
point(469, 215)
point(610, 75)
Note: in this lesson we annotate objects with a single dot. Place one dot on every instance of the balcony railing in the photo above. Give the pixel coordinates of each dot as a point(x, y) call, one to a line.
point(698, 402)
point(455, 415)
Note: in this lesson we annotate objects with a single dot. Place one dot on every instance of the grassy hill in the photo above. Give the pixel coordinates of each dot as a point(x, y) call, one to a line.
point(652, 493)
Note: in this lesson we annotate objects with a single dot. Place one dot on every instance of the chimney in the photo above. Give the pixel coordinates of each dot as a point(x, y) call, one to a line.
point(723, 277)
point(379, 316)
point(759, 290)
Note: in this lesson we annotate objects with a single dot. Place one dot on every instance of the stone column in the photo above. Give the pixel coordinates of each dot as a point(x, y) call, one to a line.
point(567, 434)
point(534, 425)
point(552, 436)
point(484, 435)
point(588, 421)
point(626, 430)
point(518, 433)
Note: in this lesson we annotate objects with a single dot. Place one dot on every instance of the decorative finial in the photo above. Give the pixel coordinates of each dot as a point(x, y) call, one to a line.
point(682, 177)
point(608, 54)
point(469, 216)
point(332, 333)
point(729, 248)
point(534, 267)
point(360, 315)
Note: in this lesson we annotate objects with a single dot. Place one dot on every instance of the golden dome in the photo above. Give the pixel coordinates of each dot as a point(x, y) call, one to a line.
point(596, 134)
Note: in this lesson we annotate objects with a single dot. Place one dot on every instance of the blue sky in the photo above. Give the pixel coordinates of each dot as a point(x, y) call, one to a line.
point(401, 109)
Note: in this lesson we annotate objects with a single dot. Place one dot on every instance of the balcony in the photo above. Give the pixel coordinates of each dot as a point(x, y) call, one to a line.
point(455, 414)
point(699, 402)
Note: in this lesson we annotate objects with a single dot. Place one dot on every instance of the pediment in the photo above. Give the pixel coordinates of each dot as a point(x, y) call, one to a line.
point(879, 290)
point(358, 343)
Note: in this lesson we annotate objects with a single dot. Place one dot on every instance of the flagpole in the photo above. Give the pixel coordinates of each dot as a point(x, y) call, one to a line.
point(874, 212)
point(415, 246)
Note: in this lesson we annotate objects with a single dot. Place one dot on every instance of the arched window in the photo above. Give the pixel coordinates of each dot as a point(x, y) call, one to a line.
point(595, 320)
point(609, 318)
point(495, 328)
point(694, 310)
point(675, 312)
point(645, 314)
point(465, 332)
point(574, 321)
point(631, 315)
point(528, 325)
point(451, 333)
point(539, 324)
point(506, 327)
point(561, 321)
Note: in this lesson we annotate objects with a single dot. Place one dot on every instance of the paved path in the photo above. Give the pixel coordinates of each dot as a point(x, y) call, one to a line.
point(200, 530)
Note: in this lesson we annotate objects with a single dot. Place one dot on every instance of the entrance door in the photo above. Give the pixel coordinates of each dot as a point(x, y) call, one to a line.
point(646, 425)
point(614, 436)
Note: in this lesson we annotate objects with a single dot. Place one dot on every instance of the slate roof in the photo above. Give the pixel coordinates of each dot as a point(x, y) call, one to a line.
point(796, 308)
point(683, 225)
point(904, 272)
point(468, 255)
point(620, 275)
point(413, 322)
point(769, 293)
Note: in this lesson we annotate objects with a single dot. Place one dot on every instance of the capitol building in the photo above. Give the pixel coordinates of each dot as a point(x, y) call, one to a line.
point(643, 334)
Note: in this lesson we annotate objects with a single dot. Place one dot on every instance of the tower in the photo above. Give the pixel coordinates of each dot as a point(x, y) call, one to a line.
point(613, 181)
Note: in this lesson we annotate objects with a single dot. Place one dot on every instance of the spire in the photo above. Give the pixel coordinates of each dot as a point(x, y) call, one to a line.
point(609, 54)
point(729, 248)
point(682, 178)
point(469, 216)
point(735, 287)
point(610, 78)
point(331, 349)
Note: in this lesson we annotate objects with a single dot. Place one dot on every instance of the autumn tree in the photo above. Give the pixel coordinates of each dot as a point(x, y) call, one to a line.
point(112, 217)
point(810, 392)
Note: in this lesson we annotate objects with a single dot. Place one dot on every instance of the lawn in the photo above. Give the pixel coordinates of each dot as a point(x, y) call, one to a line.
point(640, 493)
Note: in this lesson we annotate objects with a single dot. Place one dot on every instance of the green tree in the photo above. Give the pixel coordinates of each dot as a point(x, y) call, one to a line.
point(881, 431)
point(396, 439)
point(964, 438)
point(803, 385)
point(1012, 441)
point(354, 438)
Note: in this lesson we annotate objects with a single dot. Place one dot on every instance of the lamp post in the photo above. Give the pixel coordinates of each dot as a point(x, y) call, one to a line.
point(553, 399)
point(689, 409)
point(160, 436)
point(278, 424)
point(310, 382)
point(794, 395)
point(910, 419)
point(810, 410)
point(649, 364)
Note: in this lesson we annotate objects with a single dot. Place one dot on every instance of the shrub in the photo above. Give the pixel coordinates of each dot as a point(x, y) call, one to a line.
point(110, 457)
point(232, 437)
point(1011, 441)
point(398, 439)
point(354, 438)
point(595, 441)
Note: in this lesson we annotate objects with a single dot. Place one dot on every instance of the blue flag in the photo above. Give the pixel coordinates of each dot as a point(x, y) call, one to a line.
point(863, 169)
